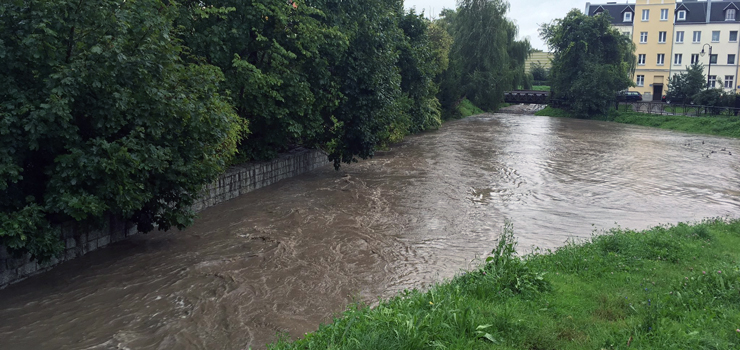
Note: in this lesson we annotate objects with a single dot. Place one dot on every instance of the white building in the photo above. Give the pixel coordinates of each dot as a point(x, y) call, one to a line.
point(708, 25)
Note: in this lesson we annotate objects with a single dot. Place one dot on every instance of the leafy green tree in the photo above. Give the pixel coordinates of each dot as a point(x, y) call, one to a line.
point(420, 60)
point(539, 72)
point(591, 63)
point(683, 86)
point(276, 58)
point(372, 109)
point(99, 115)
point(485, 59)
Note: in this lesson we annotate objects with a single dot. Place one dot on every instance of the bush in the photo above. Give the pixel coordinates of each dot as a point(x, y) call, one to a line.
point(99, 115)
point(539, 72)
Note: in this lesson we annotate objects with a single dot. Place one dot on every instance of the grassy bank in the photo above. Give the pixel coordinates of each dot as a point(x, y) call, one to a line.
point(665, 288)
point(720, 126)
point(467, 108)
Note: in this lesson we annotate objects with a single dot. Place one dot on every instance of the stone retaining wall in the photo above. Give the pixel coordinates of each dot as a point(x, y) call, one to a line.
point(236, 181)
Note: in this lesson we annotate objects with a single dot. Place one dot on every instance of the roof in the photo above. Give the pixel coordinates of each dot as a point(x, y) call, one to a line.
point(696, 12)
point(718, 10)
point(614, 10)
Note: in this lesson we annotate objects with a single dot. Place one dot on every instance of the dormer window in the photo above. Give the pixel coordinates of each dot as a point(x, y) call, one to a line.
point(681, 15)
point(628, 16)
point(730, 15)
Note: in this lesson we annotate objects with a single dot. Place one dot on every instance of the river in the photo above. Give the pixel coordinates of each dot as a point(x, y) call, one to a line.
point(288, 257)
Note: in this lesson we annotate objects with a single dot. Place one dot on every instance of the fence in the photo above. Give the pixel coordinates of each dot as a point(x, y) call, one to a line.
point(663, 108)
point(688, 110)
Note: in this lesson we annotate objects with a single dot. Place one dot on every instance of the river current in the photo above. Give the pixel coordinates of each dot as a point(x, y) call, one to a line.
point(290, 256)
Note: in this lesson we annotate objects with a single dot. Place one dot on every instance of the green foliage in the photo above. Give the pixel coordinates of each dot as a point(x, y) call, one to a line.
point(670, 287)
point(539, 72)
point(485, 59)
point(371, 112)
point(99, 115)
point(592, 62)
point(467, 108)
point(714, 97)
point(420, 60)
point(682, 87)
point(342, 76)
point(276, 59)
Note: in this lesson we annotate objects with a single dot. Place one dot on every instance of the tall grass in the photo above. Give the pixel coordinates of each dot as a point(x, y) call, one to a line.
point(467, 108)
point(671, 287)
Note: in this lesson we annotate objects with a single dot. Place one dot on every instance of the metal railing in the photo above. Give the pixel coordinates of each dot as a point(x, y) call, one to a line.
point(689, 110)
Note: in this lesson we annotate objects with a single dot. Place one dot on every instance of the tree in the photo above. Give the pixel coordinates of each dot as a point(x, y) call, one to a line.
point(423, 55)
point(539, 72)
point(277, 60)
point(485, 59)
point(683, 86)
point(99, 115)
point(591, 63)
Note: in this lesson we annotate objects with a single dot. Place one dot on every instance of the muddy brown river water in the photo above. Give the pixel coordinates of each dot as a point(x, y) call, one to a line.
point(287, 257)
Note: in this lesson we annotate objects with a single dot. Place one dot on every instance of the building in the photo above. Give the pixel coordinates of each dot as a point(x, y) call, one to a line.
point(704, 26)
point(543, 58)
point(670, 35)
point(622, 15)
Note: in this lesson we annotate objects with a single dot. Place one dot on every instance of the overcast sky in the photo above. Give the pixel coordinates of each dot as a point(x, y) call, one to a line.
point(527, 14)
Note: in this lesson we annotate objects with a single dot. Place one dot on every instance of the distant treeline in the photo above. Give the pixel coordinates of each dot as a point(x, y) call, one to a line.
point(130, 107)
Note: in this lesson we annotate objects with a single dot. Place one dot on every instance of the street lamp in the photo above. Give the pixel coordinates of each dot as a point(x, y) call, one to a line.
point(709, 70)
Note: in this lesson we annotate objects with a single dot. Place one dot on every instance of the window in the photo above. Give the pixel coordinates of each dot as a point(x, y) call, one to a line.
point(731, 59)
point(677, 58)
point(713, 59)
point(628, 16)
point(679, 37)
point(712, 80)
point(645, 15)
point(733, 36)
point(729, 81)
point(730, 15)
point(664, 14)
point(715, 36)
point(641, 59)
point(697, 36)
point(643, 37)
point(661, 59)
point(694, 58)
point(640, 80)
point(682, 15)
point(661, 37)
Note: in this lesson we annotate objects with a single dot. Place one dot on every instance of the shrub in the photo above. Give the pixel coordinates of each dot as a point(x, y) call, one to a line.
point(99, 115)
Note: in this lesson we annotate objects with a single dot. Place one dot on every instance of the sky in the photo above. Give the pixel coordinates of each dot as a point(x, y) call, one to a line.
point(527, 14)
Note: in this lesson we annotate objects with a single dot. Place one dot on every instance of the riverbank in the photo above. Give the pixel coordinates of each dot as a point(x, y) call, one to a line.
point(665, 288)
point(719, 126)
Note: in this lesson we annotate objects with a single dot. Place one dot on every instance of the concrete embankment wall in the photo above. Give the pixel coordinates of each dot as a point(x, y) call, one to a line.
point(236, 181)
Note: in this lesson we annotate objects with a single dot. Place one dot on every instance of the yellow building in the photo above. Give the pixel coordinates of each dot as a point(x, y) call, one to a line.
point(653, 37)
point(543, 58)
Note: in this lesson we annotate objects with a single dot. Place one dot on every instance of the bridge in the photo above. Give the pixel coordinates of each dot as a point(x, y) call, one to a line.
point(527, 96)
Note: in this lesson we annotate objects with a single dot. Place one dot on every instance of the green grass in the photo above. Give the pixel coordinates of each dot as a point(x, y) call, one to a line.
point(467, 108)
point(665, 288)
point(720, 126)
point(541, 88)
